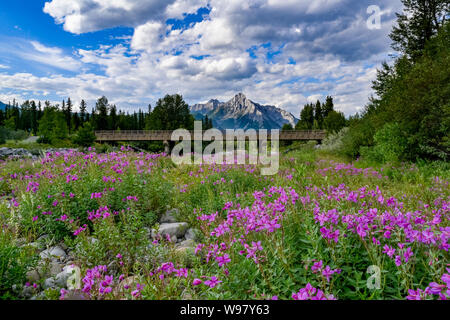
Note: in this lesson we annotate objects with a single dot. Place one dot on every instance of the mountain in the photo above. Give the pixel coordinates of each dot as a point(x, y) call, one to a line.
point(242, 113)
point(2, 106)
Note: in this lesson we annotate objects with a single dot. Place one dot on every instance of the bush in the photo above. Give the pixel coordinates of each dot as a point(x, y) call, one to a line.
point(85, 136)
point(334, 142)
point(390, 145)
point(359, 134)
point(14, 264)
point(9, 134)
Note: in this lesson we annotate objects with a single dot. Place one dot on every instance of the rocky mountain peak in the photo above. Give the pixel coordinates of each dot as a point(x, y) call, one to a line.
point(241, 113)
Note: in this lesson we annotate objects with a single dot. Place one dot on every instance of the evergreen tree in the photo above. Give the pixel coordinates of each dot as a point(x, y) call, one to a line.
point(170, 113)
point(85, 136)
point(113, 118)
point(327, 107)
point(419, 22)
point(306, 118)
point(68, 114)
point(318, 116)
point(34, 118)
point(100, 116)
point(334, 121)
point(83, 108)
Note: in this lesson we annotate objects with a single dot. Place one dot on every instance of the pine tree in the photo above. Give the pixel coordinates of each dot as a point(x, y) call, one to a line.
point(83, 108)
point(318, 116)
point(113, 118)
point(68, 114)
point(101, 114)
point(419, 22)
point(327, 107)
point(34, 118)
point(306, 118)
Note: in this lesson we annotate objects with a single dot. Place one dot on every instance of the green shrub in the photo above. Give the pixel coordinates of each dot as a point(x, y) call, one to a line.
point(390, 145)
point(85, 136)
point(14, 264)
point(333, 142)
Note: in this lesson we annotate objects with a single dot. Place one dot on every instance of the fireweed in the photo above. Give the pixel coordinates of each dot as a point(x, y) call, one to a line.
point(310, 232)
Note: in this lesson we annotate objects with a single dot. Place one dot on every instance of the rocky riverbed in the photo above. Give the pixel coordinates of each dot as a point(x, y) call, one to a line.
point(58, 268)
point(21, 153)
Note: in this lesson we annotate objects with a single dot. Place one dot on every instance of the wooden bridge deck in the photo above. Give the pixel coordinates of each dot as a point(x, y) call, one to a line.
point(166, 135)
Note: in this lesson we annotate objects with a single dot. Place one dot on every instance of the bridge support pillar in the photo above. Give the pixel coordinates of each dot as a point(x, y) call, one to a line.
point(166, 146)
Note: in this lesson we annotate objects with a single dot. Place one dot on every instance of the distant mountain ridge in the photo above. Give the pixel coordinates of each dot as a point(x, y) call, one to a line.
point(242, 113)
point(2, 106)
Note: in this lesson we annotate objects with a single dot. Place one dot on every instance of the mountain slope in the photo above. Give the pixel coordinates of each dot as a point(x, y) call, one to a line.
point(2, 106)
point(242, 113)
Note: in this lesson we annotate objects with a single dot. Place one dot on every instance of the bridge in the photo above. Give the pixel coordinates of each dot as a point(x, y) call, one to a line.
point(166, 135)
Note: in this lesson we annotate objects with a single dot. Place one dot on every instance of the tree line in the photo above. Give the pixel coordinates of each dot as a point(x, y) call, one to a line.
point(58, 122)
point(320, 116)
point(408, 118)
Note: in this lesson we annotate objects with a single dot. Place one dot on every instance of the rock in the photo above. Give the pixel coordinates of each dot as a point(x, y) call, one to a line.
point(69, 277)
point(128, 282)
point(63, 246)
point(55, 268)
point(191, 234)
point(169, 216)
point(27, 292)
point(53, 253)
point(38, 245)
point(33, 276)
point(39, 296)
point(14, 153)
point(43, 238)
point(74, 295)
point(50, 283)
point(20, 242)
point(187, 244)
point(172, 229)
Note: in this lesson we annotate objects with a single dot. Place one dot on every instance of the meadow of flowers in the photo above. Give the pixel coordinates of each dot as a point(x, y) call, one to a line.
point(321, 229)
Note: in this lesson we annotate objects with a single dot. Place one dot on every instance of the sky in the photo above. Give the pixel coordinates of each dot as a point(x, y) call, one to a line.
point(278, 52)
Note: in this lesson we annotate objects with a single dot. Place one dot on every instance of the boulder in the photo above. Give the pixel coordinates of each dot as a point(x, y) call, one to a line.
point(14, 153)
point(187, 244)
point(50, 283)
point(33, 276)
point(53, 253)
point(69, 277)
point(191, 234)
point(172, 229)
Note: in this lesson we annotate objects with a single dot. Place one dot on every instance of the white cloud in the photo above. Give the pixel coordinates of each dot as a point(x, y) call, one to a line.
point(81, 16)
point(54, 57)
point(147, 36)
point(327, 39)
point(3, 66)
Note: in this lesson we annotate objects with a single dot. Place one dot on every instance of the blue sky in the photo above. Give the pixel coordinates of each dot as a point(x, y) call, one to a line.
point(283, 53)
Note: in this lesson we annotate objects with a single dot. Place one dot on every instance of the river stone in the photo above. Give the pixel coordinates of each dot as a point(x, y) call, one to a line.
point(27, 292)
point(68, 272)
point(50, 283)
point(33, 276)
point(172, 229)
point(187, 244)
point(53, 253)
